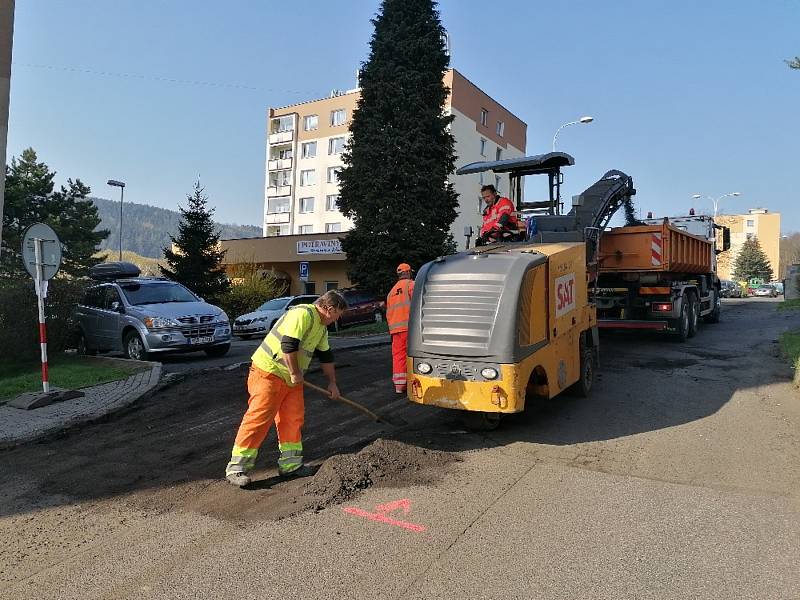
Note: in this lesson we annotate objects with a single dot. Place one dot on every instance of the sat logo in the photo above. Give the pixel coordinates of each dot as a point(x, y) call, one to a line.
point(565, 294)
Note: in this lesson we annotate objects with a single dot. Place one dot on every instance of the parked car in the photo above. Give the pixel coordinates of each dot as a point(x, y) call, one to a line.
point(265, 316)
point(146, 316)
point(363, 307)
point(778, 286)
point(765, 291)
point(730, 289)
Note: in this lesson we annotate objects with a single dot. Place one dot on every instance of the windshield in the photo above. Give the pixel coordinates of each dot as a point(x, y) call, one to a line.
point(156, 293)
point(276, 304)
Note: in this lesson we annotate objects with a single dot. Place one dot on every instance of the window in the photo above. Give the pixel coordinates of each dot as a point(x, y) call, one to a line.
point(498, 155)
point(335, 145)
point(276, 230)
point(112, 295)
point(751, 222)
point(308, 177)
point(501, 128)
point(282, 153)
point(484, 116)
point(338, 117)
point(305, 229)
point(310, 287)
point(333, 227)
point(278, 205)
point(306, 205)
point(282, 124)
point(280, 178)
point(333, 174)
point(310, 122)
point(483, 147)
point(331, 285)
point(332, 202)
point(309, 149)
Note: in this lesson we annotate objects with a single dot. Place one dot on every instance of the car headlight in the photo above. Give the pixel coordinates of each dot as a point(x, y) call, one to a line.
point(222, 317)
point(424, 368)
point(489, 373)
point(159, 323)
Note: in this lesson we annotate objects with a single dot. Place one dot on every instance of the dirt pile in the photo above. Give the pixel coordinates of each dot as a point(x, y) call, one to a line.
point(384, 463)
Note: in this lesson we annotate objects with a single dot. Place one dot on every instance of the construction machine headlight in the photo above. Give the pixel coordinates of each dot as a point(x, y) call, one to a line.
point(489, 373)
point(424, 368)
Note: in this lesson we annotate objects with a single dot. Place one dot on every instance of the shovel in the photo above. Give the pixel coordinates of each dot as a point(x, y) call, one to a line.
point(352, 403)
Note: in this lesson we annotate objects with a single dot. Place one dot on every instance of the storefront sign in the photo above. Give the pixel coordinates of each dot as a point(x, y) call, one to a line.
point(319, 247)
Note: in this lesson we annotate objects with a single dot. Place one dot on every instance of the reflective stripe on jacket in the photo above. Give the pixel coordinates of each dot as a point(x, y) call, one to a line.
point(492, 215)
point(398, 305)
point(301, 322)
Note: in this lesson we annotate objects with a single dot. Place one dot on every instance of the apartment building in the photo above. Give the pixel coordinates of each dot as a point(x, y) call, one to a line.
point(758, 223)
point(304, 150)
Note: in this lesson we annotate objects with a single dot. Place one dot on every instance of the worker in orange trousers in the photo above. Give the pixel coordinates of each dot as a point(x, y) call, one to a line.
point(398, 307)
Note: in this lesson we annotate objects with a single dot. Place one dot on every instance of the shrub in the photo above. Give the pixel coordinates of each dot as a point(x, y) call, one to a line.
point(249, 289)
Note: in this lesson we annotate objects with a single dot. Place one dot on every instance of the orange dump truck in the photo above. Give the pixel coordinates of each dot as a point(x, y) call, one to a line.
point(659, 276)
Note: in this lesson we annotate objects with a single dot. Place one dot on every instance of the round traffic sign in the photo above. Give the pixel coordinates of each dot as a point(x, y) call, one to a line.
point(50, 252)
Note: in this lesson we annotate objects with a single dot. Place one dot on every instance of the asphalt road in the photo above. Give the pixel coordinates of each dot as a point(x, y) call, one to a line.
point(678, 478)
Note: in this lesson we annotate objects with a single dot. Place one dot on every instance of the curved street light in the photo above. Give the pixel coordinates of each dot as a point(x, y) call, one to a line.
point(121, 186)
point(716, 200)
point(582, 120)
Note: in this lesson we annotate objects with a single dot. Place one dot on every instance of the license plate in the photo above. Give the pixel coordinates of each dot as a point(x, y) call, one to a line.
point(201, 340)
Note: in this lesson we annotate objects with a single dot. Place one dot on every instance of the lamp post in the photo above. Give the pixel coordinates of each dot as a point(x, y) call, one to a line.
point(582, 120)
point(716, 200)
point(121, 186)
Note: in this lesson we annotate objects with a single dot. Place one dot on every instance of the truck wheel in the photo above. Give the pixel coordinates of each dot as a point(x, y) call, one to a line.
point(713, 316)
point(583, 387)
point(694, 315)
point(480, 421)
point(682, 323)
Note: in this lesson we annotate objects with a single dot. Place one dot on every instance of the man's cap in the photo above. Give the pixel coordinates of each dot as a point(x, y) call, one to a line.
point(403, 268)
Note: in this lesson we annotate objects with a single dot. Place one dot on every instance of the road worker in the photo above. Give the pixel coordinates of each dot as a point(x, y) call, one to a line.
point(499, 218)
point(275, 385)
point(398, 305)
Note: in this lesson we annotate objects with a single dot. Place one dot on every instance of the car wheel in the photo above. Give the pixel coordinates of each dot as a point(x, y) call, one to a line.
point(694, 315)
point(134, 346)
point(682, 323)
point(217, 351)
point(83, 349)
point(480, 421)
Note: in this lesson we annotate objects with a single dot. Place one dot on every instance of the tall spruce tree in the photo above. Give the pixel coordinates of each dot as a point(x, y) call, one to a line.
point(30, 198)
point(394, 185)
point(197, 259)
point(752, 262)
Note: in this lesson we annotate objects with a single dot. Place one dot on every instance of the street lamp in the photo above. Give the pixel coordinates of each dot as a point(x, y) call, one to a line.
point(582, 120)
point(121, 186)
point(716, 200)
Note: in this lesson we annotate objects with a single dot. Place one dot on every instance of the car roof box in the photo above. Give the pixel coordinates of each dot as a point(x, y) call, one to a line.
point(114, 270)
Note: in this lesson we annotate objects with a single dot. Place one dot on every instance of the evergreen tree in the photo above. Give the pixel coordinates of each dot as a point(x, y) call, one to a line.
point(394, 185)
point(752, 262)
point(29, 198)
point(197, 259)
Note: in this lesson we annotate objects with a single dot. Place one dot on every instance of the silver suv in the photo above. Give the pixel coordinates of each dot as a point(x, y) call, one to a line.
point(142, 317)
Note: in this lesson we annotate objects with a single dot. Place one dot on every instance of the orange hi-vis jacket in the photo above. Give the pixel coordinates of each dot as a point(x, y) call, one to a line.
point(398, 305)
point(492, 215)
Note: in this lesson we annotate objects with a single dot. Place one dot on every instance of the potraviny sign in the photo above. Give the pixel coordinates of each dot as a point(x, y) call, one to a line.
point(319, 246)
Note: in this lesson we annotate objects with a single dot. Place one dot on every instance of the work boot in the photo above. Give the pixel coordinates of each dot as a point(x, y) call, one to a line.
point(399, 390)
point(238, 479)
point(302, 471)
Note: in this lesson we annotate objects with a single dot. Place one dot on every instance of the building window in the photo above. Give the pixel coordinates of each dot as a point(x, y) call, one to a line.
point(303, 229)
point(501, 128)
point(331, 285)
point(498, 155)
point(751, 222)
point(310, 122)
point(338, 117)
point(306, 205)
point(280, 178)
point(310, 287)
point(282, 153)
point(333, 227)
point(484, 116)
point(335, 145)
point(308, 177)
point(276, 230)
point(281, 124)
point(278, 205)
point(483, 147)
point(333, 174)
point(332, 202)
point(309, 149)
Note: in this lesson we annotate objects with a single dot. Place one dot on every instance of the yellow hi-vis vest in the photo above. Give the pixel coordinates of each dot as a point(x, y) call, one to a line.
point(301, 322)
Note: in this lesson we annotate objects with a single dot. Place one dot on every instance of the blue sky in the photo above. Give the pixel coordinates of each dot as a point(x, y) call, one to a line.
point(687, 97)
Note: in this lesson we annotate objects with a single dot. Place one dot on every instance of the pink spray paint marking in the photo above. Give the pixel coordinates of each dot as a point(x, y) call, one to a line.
point(380, 514)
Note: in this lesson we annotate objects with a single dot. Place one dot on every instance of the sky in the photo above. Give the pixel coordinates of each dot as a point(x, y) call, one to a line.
point(688, 97)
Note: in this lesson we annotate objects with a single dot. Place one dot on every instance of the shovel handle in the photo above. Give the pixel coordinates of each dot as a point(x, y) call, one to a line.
point(355, 405)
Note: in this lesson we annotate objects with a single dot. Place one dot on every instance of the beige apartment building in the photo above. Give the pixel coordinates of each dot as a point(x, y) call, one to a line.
point(304, 150)
point(758, 223)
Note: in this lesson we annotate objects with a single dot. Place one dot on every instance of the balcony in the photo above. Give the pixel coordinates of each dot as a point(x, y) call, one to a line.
point(277, 218)
point(280, 190)
point(276, 164)
point(281, 137)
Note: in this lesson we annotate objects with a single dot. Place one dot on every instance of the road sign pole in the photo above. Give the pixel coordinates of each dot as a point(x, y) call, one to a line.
point(42, 326)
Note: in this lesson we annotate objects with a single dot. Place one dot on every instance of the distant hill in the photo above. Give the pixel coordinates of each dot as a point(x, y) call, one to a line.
point(146, 229)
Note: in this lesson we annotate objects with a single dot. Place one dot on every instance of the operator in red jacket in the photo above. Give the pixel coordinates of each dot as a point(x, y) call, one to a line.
point(498, 217)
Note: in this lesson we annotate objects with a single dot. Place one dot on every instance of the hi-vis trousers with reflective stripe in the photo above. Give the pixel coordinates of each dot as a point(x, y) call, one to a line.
point(399, 351)
point(271, 398)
